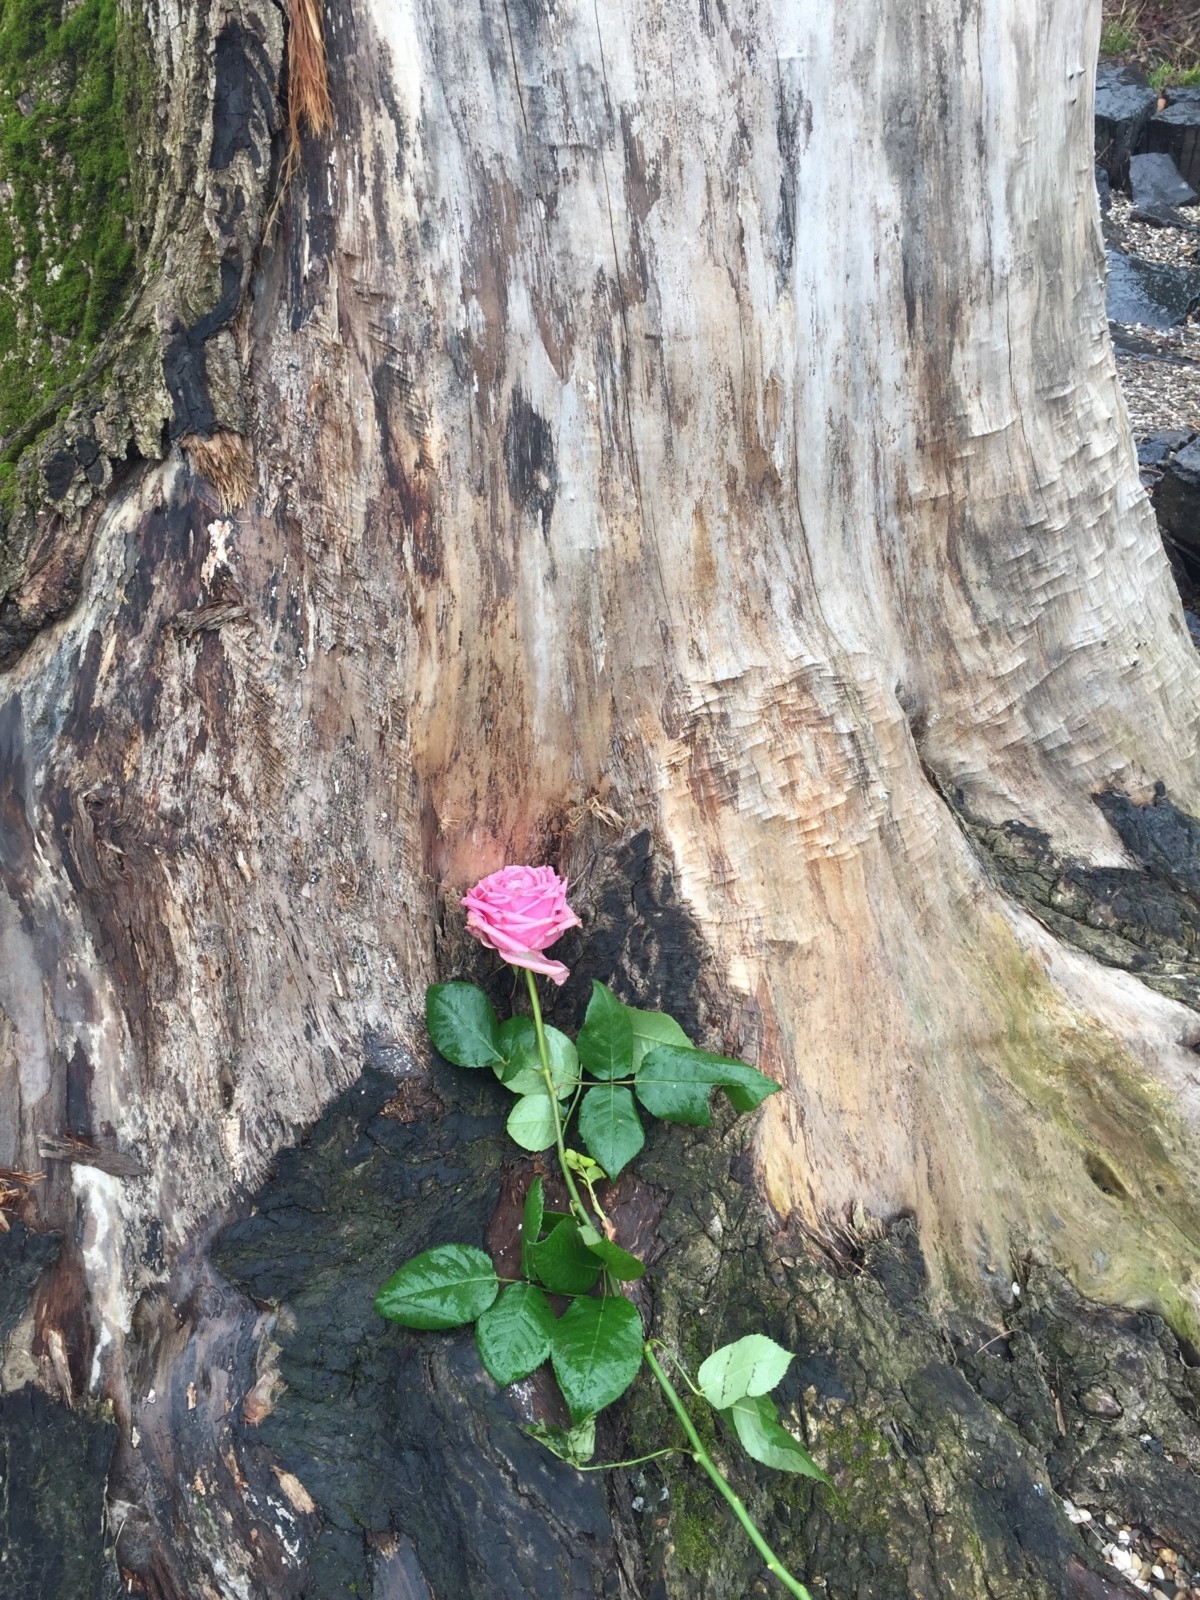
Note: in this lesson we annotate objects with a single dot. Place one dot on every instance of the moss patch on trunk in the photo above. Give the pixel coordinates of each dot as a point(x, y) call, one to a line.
point(67, 200)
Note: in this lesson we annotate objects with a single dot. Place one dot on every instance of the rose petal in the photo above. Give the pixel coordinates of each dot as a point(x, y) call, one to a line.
point(536, 962)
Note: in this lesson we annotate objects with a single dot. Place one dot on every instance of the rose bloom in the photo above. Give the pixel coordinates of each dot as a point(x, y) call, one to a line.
point(517, 912)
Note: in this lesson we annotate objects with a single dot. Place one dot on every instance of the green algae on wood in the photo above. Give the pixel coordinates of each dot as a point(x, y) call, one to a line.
point(67, 212)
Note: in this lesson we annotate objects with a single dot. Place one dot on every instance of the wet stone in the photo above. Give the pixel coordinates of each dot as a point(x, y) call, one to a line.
point(1125, 103)
point(1177, 497)
point(1175, 131)
point(1154, 181)
point(1150, 292)
point(1155, 449)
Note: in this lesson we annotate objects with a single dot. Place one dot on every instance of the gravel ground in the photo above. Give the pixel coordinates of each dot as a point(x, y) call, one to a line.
point(1162, 394)
point(1161, 382)
point(1152, 1567)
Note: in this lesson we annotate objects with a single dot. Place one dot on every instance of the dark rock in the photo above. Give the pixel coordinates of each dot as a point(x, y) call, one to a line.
point(1163, 217)
point(1153, 453)
point(1103, 189)
point(1127, 342)
point(1156, 448)
point(1125, 103)
point(1154, 182)
point(1177, 497)
point(1150, 292)
point(1175, 131)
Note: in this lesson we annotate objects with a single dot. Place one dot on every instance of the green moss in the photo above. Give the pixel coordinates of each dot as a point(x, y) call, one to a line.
point(67, 210)
point(692, 1527)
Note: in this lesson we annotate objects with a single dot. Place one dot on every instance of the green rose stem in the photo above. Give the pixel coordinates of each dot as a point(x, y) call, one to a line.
point(703, 1459)
point(699, 1454)
point(577, 1204)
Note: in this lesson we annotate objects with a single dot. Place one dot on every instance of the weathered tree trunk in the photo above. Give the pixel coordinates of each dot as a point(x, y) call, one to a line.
point(678, 441)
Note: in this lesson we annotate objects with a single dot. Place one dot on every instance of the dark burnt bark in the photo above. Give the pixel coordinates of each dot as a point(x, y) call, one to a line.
point(392, 1467)
point(275, 1415)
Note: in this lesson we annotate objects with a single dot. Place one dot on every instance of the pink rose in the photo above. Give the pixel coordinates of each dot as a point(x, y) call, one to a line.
point(518, 911)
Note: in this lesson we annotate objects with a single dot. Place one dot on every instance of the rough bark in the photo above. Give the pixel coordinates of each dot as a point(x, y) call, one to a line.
point(680, 424)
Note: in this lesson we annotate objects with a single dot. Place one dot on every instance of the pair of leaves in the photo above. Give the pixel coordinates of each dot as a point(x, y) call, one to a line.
point(675, 1083)
point(531, 1122)
point(595, 1346)
point(570, 1258)
point(735, 1380)
point(672, 1080)
point(615, 1037)
point(465, 1030)
point(521, 1069)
